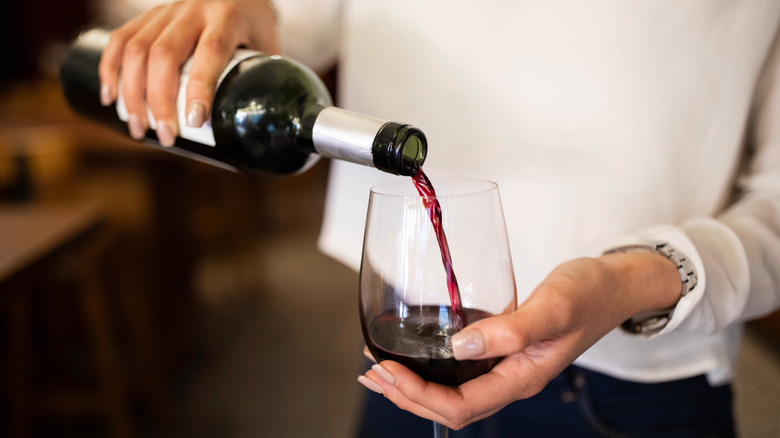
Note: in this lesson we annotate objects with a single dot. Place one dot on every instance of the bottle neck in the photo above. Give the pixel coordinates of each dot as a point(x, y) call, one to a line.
point(388, 146)
point(344, 135)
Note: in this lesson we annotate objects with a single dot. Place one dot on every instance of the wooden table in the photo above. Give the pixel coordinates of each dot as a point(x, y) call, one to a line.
point(30, 233)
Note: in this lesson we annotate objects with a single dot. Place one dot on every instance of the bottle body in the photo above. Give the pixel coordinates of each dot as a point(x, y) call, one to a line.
point(265, 117)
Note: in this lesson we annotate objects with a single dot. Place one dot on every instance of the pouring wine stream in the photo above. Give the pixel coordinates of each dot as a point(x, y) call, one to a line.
point(428, 194)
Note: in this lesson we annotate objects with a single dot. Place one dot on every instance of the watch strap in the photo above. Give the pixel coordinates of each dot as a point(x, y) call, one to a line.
point(653, 322)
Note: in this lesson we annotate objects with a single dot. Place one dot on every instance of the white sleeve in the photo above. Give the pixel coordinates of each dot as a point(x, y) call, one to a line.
point(737, 252)
point(755, 217)
point(309, 31)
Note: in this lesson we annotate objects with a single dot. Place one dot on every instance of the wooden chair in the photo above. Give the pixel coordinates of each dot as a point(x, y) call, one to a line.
point(33, 240)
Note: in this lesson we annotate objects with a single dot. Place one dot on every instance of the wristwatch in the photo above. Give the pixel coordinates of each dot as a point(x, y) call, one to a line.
point(652, 322)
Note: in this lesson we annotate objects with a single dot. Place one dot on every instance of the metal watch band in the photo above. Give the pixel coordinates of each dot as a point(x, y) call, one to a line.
point(653, 322)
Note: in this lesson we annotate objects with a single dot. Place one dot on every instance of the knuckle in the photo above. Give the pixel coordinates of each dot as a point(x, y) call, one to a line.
point(161, 52)
point(520, 340)
point(200, 89)
point(533, 388)
point(196, 83)
point(157, 9)
point(526, 388)
point(105, 69)
point(134, 105)
point(229, 11)
point(458, 415)
point(189, 7)
point(155, 100)
point(162, 109)
point(457, 426)
point(117, 37)
point(133, 96)
point(135, 48)
point(161, 102)
point(215, 43)
point(513, 340)
point(108, 61)
point(459, 420)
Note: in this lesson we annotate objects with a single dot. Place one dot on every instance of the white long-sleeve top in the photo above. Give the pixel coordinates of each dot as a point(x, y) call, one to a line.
point(601, 121)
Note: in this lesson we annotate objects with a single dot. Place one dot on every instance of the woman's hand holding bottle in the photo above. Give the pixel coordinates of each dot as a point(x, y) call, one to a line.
point(149, 50)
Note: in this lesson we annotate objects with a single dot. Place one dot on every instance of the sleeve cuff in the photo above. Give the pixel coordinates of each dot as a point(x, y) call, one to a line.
point(676, 238)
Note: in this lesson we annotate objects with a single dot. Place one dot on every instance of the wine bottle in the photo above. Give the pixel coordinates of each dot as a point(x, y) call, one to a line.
point(271, 115)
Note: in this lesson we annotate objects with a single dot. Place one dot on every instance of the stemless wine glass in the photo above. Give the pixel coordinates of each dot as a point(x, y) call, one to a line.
point(410, 294)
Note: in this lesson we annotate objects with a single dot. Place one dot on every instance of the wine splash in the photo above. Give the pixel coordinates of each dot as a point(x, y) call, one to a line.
point(428, 194)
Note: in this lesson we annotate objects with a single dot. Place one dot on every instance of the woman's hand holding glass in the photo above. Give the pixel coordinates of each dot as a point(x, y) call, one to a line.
point(577, 304)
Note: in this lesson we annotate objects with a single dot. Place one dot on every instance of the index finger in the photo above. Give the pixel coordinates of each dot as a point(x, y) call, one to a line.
point(455, 407)
point(386, 381)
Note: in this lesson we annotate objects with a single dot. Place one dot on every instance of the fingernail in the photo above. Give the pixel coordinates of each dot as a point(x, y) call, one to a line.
point(137, 129)
point(370, 384)
point(105, 95)
point(385, 375)
point(165, 133)
point(196, 114)
point(468, 344)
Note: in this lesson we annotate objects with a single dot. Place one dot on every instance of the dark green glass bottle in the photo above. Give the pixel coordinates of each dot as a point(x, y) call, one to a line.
point(271, 115)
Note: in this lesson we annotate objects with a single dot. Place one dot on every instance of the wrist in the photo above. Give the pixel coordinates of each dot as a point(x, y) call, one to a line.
point(649, 280)
point(657, 277)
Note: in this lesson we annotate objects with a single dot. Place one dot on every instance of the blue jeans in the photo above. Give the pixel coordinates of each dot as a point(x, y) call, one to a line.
point(581, 403)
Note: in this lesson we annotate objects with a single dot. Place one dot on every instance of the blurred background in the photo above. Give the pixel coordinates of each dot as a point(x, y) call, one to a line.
point(143, 294)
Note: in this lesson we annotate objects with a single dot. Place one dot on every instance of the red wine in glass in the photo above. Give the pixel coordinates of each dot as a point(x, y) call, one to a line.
point(428, 194)
point(423, 344)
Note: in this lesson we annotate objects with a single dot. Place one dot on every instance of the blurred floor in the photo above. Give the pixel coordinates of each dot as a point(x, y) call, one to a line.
point(283, 346)
point(757, 388)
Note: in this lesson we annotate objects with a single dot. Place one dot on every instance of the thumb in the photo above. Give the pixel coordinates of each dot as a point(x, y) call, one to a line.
point(503, 335)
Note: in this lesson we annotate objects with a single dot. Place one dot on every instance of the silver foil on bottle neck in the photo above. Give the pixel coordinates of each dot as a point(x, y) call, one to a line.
point(344, 135)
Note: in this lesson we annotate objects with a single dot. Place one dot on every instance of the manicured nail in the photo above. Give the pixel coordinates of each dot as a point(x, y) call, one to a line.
point(468, 344)
point(105, 95)
point(137, 129)
point(385, 375)
point(196, 114)
point(165, 133)
point(370, 384)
